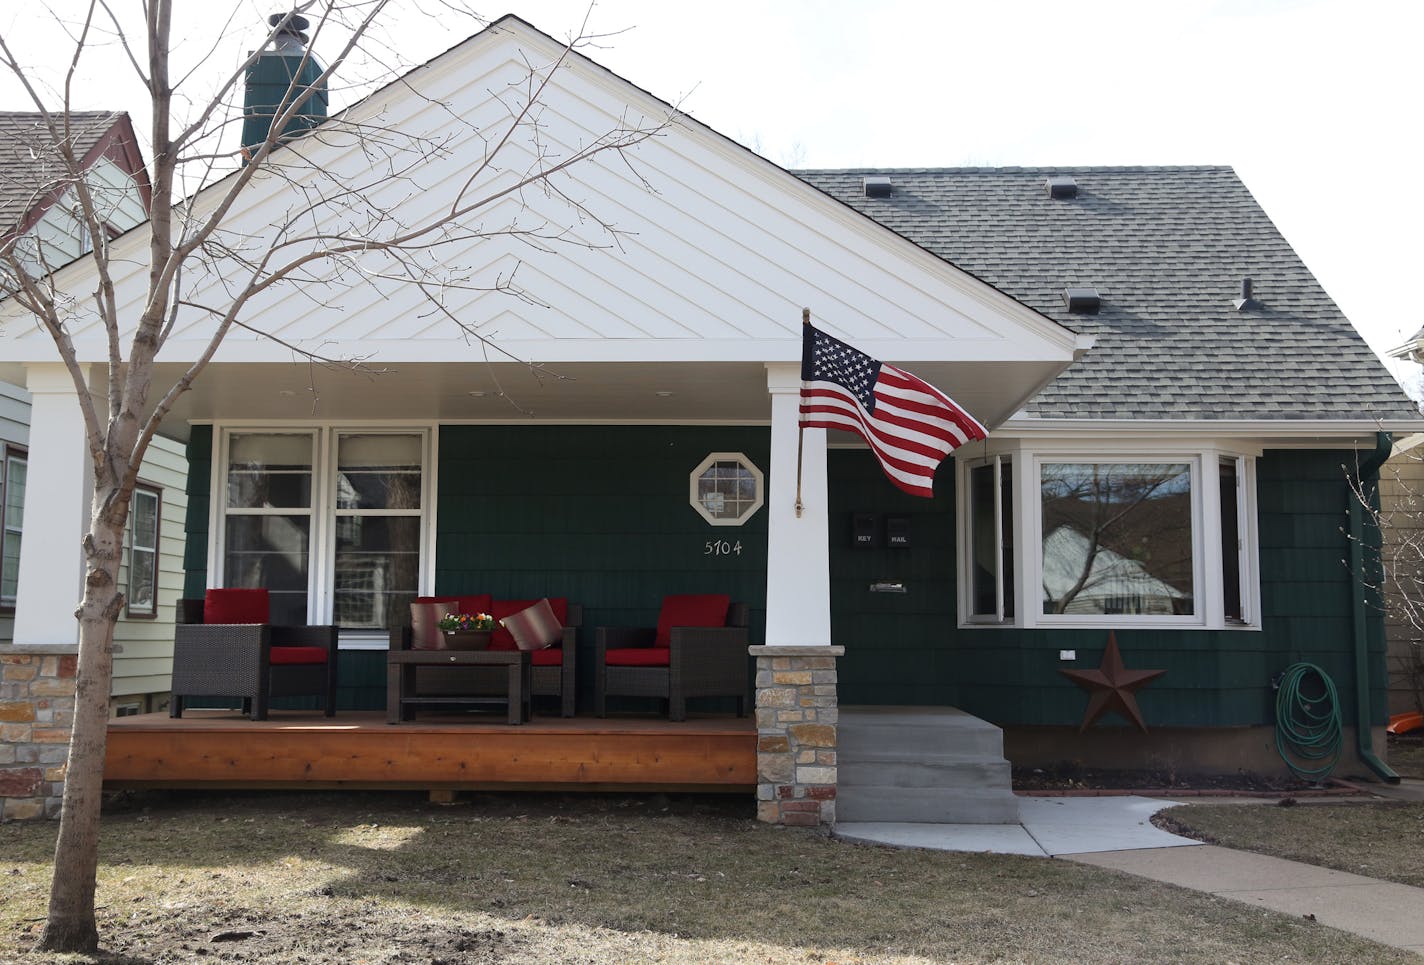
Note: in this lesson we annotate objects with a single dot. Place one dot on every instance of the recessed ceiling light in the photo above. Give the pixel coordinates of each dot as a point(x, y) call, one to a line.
point(287, 392)
point(664, 395)
point(477, 395)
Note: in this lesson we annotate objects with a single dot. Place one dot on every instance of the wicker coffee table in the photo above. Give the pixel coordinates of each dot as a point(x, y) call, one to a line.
point(401, 698)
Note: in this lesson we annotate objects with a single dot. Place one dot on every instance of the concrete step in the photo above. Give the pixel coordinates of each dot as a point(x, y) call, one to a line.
point(922, 765)
point(917, 731)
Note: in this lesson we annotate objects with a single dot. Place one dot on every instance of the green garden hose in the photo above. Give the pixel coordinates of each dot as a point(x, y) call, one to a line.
point(1308, 728)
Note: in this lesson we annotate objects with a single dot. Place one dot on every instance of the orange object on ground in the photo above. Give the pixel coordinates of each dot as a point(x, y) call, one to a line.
point(1404, 723)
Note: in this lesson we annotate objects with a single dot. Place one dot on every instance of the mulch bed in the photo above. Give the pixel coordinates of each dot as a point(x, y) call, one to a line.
point(1073, 781)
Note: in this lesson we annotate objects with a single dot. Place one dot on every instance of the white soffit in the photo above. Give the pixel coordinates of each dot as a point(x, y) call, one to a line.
point(714, 252)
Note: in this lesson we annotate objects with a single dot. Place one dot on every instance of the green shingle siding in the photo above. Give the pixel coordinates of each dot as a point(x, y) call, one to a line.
point(1009, 676)
point(195, 525)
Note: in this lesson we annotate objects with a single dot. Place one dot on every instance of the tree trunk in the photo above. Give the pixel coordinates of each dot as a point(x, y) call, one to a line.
point(71, 925)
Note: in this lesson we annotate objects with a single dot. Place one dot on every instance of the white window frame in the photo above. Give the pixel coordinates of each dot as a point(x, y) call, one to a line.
point(696, 475)
point(328, 553)
point(321, 576)
point(143, 490)
point(10, 454)
point(1027, 459)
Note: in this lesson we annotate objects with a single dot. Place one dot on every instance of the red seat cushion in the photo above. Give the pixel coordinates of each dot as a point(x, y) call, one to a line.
point(503, 639)
point(691, 610)
point(548, 657)
point(235, 605)
point(298, 655)
point(638, 656)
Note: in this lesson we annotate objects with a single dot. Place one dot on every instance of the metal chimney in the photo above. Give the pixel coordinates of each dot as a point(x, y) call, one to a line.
point(280, 76)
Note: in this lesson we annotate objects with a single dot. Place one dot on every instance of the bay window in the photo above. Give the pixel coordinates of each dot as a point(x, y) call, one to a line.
point(1107, 539)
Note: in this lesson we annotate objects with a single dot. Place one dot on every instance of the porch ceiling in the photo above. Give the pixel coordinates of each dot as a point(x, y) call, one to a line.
point(573, 392)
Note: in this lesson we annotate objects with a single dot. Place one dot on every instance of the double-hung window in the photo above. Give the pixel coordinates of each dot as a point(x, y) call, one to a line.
point(12, 521)
point(376, 553)
point(267, 531)
point(1108, 539)
point(141, 597)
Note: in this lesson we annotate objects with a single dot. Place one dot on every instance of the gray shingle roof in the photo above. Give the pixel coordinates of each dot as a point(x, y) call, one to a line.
point(1167, 248)
point(30, 165)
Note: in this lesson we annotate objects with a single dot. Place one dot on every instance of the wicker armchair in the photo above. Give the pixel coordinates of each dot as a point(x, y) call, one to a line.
point(236, 660)
point(700, 662)
point(549, 678)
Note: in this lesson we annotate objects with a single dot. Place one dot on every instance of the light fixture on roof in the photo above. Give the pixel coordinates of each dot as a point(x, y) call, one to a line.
point(877, 186)
point(1061, 186)
point(1082, 301)
point(1245, 298)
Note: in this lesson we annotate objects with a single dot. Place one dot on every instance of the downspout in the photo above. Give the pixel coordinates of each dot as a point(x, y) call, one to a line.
point(1367, 482)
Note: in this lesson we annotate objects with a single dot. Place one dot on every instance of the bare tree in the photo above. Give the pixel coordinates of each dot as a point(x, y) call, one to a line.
point(335, 227)
point(1395, 506)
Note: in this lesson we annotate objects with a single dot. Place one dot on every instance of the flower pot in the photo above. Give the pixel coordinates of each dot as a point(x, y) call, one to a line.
point(466, 639)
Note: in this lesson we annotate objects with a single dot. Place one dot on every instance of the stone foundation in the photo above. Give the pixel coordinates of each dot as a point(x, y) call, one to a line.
point(797, 714)
point(36, 714)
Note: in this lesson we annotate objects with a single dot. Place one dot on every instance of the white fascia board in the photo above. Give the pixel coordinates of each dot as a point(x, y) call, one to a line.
point(411, 351)
point(1339, 431)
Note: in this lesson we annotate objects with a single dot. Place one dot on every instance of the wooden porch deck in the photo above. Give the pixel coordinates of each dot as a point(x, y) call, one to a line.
point(436, 752)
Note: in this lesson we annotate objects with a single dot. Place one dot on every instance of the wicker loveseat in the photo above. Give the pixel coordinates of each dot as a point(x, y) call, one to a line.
point(554, 667)
point(675, 661)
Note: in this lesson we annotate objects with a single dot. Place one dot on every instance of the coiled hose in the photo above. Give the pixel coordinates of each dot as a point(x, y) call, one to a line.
point(1308, 728)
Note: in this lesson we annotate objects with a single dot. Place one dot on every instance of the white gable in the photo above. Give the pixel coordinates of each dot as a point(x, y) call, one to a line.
point(713, 254)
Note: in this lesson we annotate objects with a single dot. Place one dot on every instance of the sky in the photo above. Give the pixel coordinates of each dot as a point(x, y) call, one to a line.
point(1315, 103)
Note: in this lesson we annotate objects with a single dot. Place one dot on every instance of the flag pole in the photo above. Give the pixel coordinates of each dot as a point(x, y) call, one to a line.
point(800, 429)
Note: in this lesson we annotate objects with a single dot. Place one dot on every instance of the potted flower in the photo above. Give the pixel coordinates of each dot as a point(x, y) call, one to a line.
point(466, 631)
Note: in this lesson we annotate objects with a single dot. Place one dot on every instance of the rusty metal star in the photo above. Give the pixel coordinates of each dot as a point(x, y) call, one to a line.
point(1110, 687)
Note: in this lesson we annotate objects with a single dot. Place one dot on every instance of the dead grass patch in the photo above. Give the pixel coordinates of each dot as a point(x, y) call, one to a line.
point(561, 879)
point(1378, 840)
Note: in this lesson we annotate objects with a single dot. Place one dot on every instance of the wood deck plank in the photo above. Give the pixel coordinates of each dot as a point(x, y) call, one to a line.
point(297, 749)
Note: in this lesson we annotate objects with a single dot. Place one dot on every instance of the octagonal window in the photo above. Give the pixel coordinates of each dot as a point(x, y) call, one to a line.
point(727, 488)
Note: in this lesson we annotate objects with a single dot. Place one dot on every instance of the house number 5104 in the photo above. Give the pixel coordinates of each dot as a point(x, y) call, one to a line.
point(720, 547)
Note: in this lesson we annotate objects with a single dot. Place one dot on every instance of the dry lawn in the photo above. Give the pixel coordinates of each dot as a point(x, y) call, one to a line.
point(1407, 758)
point(1378, 840)
point(355, 878)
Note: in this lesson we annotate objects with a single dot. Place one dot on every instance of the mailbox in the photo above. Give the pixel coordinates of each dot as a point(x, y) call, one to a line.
point(864, 531)
point(897, 532)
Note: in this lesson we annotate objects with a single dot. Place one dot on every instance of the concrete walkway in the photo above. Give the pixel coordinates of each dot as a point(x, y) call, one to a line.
point(1117, 833)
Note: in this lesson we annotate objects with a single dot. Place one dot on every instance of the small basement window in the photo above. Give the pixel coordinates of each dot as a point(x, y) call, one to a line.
point(726, 488)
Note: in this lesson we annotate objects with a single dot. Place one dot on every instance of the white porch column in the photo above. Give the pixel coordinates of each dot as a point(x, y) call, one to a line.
point(798, 559)
point(58, 488)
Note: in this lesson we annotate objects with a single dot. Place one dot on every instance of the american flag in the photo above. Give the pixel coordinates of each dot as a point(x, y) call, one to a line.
point(911, 426)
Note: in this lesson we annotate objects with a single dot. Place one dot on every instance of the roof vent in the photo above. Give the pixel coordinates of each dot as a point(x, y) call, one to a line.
point(1061, 186)
point(1082, 301)
point(1245, 299)
point(877, 186)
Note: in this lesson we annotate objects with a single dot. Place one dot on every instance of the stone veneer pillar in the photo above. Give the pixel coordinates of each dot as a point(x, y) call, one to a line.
point(36, 715)
point(796, 715)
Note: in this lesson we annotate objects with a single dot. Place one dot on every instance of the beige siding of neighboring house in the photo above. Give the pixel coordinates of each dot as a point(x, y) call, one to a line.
point(1402, 507)
point(146, 661)
point(14, 429)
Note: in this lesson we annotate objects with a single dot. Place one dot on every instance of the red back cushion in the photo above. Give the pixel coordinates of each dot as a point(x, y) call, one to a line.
point(503, 639)
point(476, 603)
point(236, 606)
point(690, 610)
